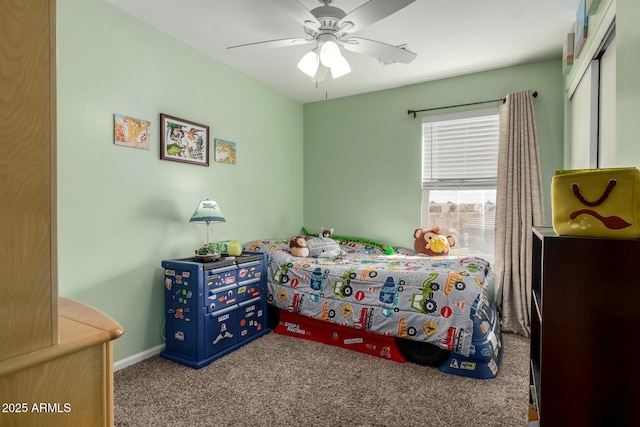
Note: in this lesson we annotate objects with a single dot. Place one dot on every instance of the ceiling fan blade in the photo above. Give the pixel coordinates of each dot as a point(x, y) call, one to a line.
point(298, 12)
point(372, 11)
point(297, 41)
point(384, 52)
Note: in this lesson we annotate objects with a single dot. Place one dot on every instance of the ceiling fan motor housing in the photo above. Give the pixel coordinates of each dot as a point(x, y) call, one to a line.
point(328, 17)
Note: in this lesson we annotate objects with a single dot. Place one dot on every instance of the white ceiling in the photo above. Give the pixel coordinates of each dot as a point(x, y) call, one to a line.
point(450, 37)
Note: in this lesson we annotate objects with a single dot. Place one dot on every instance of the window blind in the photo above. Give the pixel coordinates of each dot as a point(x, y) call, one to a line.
point(460, 151)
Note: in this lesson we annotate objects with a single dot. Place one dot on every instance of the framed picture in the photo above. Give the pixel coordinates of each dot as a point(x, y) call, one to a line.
point(582, 28)
point(183, 141)
point(567, 53)
point(131, 132)
point(225, 151)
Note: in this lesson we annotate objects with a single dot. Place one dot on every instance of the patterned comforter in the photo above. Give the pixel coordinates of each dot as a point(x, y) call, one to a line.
point(407, 295)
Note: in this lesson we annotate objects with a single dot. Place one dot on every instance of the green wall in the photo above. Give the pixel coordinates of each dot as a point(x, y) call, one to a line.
point(362, 154)
point(121, 211)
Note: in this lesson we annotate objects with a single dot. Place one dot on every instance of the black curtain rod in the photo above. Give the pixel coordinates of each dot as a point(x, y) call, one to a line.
point(535, 95)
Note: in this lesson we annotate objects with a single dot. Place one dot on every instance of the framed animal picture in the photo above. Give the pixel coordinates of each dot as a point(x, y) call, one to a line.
point(183, 141)
point(131, 132)
point(225, 151)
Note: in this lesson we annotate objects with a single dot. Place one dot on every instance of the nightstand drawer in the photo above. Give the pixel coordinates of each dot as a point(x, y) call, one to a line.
point(251, 318)
point(220, 277)
point(252, 289)
point(221, 330)
point(219, 298)
point(250, 270)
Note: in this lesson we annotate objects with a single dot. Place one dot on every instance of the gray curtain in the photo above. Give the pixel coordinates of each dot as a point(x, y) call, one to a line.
point(519, 206)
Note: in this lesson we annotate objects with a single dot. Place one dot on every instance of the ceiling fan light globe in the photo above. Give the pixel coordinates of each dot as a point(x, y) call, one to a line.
point(340, 68)
point(329, 53)
point(309, 63)
point(322, 74)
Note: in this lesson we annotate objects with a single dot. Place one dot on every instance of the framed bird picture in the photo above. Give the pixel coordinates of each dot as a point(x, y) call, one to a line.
point(183, 141)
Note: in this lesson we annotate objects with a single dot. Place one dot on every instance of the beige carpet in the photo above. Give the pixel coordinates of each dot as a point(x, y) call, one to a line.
point(284, 381)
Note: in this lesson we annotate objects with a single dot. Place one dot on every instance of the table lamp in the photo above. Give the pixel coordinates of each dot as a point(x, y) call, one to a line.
point(207, 211)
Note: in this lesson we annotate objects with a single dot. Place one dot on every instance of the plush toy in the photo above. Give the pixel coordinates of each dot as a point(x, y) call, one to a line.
point(386, 249)
point(324, 247)
point(326, 232)
point(298, 247)
point(432, 241)
point(234, 248)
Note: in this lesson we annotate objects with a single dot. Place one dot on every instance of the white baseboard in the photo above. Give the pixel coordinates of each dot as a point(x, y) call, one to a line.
point(139, 357)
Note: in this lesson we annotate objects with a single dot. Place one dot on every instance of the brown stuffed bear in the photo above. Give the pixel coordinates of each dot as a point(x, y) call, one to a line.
point(298, 247)
point(432, 241)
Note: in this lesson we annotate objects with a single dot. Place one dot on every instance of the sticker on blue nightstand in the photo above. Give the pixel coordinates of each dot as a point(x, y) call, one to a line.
point(167, 283)
point(493, 367)
point(179, 335)
point(224, 333)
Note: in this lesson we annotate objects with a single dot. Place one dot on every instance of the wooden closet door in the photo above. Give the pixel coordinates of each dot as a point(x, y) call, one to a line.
point(28, 259)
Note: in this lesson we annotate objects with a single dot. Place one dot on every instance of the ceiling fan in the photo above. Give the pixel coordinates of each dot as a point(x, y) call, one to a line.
point(330, 27)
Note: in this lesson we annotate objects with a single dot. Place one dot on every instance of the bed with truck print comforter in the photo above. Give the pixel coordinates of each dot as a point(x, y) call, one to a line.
point(437, 300)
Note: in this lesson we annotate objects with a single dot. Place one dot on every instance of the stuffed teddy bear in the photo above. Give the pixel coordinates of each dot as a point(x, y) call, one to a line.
point(298, 247)
point(432, 241)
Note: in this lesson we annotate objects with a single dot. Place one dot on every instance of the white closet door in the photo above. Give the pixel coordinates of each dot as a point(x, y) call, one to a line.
point(584, 120)
point(607, 140)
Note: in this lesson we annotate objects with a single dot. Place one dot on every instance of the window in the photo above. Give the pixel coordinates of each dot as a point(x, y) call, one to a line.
point(459, 172)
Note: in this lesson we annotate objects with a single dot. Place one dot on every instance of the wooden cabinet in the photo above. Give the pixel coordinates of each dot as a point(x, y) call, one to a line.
point(28, 274)
point(585, 312)
point(56, 366)
point(68, 384)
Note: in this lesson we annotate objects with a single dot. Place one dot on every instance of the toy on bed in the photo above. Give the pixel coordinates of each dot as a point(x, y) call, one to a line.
point(324, 247)
point(298, 247)
point(386, 249)
point(315, 247)
point(326, 232)
point(432, 241)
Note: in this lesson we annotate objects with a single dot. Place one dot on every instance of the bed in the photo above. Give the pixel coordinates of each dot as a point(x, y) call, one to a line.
point(431, 310)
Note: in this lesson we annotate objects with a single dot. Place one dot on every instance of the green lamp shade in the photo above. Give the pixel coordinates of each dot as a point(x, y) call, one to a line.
point(207, 211)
